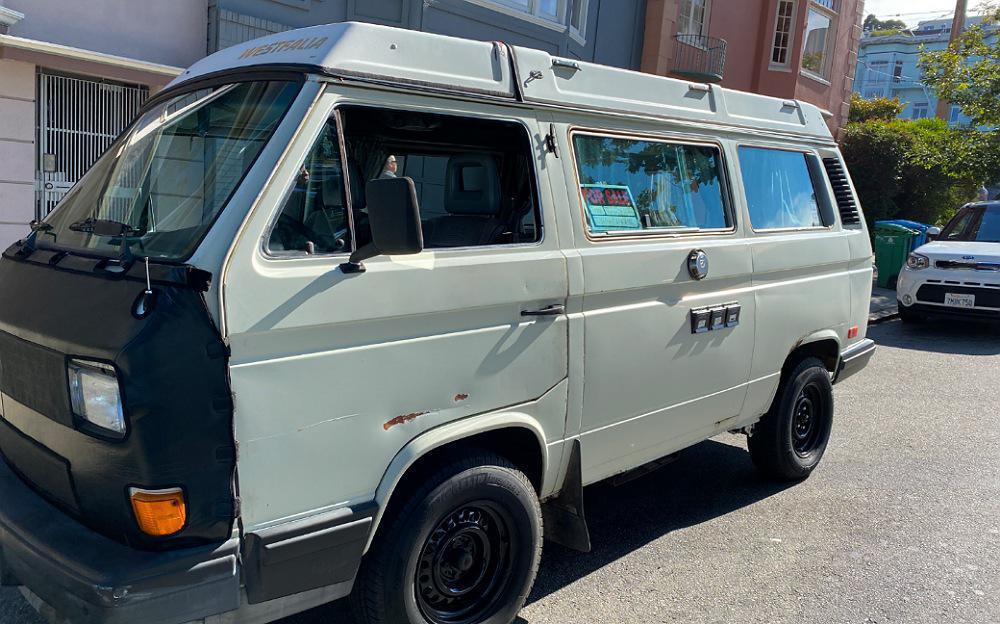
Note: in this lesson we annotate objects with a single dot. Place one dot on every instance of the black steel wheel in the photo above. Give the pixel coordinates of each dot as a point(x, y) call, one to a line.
point(465, 565)
point(462, 548)
point(807, 420)
point(789, 441)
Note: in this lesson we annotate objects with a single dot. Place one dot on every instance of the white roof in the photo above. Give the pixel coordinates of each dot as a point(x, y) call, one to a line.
point(383, 54)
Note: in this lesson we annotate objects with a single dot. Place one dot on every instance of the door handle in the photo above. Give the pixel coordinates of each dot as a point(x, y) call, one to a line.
point(552, 310)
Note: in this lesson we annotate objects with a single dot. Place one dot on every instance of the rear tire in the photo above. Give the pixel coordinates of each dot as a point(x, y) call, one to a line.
point(463, 549)
point(789, 441)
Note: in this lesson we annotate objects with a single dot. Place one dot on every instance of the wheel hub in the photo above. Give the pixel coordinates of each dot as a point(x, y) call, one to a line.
point(807, 420)
point(463, 566)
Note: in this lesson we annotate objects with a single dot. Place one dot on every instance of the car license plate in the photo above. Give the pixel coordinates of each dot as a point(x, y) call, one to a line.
point(959, 301)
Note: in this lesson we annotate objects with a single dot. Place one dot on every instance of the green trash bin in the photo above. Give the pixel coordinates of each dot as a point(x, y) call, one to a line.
point(893, 243)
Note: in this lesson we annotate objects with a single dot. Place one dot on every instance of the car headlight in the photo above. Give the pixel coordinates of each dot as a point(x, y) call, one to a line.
point(917, 261)
point(94, 393)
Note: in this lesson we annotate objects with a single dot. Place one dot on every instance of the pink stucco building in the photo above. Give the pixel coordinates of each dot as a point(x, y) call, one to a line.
point(801, 49)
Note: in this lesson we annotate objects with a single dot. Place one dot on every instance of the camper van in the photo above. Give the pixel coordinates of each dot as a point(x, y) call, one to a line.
point(357, 311)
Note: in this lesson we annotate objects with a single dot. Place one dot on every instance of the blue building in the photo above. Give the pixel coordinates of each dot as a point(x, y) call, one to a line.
point(887, 67)
point(603, 31)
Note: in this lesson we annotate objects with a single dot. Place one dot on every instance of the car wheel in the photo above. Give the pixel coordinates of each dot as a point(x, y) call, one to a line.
point(789, 441)
point(463, 549)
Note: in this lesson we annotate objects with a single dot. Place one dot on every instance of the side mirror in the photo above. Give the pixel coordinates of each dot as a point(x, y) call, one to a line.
point(933, 233)
point(394, 217)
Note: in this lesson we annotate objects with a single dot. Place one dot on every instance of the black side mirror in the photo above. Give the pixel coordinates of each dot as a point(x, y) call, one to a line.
point(394, 218)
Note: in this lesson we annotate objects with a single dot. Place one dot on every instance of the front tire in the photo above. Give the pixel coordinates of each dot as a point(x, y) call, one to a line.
point(463, 549)
point(789, 441)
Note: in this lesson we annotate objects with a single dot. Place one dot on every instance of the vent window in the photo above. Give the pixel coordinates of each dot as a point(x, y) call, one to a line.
point(849, 213)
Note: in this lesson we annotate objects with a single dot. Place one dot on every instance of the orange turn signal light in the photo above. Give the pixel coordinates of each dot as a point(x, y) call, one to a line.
point(159, 512)
point(853, 332)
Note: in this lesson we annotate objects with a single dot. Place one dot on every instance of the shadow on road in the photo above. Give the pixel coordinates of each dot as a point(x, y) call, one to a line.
point(959, 337)
point(709, 480)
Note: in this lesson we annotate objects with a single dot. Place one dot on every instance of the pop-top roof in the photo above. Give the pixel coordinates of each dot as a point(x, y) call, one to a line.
point(373, 52)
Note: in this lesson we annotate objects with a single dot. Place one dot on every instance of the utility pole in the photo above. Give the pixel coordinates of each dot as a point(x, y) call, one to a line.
point(957, 26)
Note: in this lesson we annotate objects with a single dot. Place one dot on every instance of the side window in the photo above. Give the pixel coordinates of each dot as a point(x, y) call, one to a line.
point(636, 184)
point(956, 228)
point(474, 177)
point(779, 189)
point(314, 217)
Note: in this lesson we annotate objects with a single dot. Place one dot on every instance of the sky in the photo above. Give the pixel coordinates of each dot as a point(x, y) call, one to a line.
point(913, 11)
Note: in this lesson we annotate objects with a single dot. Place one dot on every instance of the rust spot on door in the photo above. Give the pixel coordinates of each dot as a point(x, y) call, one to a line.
point(461, 397)
point(402, 420)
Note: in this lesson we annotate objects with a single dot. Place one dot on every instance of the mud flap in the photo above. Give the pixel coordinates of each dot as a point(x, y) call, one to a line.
point(565, 521)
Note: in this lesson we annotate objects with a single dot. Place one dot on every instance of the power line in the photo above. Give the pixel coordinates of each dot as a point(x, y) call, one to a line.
point(950, 12)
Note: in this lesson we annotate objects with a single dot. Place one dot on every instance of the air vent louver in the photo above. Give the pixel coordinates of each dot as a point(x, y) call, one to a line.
point(849, 213)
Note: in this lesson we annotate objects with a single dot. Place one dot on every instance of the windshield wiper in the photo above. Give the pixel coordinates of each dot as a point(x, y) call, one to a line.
point(111, 229)
point(105, 227)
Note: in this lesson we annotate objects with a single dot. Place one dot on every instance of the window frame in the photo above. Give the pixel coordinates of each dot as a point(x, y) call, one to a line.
point(955, 114)
point(333, 116)
point(790, 45)
point(706, 18)
point(336, 112)
point(831, 14)
point(819, 209)
point(921, 106)
point(655, 233)
point(578, 34)
point(530, 14)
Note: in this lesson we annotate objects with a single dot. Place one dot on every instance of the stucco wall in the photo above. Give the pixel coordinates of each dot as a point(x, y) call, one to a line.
point(17, 149)
point(739, 25)
point(170, 32)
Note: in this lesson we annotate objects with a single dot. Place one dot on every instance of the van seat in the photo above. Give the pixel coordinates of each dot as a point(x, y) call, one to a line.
point(472, 200)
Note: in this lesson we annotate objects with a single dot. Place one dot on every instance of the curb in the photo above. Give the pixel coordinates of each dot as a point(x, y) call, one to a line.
point(881, 317)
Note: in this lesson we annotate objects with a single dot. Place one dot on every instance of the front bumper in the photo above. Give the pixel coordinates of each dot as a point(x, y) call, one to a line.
point(854, 358)
point(923, 292)
point(88, 578)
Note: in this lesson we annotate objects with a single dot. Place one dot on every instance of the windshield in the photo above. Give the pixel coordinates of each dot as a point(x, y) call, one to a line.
point(975, 223)
point(162, 184)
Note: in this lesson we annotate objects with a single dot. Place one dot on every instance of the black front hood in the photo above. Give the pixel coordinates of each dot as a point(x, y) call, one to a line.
point(173, 368)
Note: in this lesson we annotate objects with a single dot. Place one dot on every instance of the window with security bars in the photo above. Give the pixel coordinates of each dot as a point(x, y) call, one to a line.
point(783, 32)
point(77, 119)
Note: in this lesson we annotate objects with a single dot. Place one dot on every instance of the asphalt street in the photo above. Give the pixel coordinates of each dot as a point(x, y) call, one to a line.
point(900, 523)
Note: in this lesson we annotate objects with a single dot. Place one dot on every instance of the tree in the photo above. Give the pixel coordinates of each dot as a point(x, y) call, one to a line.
point(967, 73)
point(873, 23)
point(921, 170)
point(882, 108)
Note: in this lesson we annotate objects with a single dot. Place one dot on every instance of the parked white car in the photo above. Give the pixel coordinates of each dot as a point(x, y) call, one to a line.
point(958, 274)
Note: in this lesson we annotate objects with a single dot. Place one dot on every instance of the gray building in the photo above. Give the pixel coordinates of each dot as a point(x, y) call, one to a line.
point(73, 74)
point(603, 31)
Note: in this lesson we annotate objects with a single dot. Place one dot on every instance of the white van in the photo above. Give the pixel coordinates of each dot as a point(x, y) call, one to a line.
point(355, 310)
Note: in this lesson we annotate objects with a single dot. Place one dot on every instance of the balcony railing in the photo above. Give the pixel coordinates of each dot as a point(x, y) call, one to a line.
point(699, 58)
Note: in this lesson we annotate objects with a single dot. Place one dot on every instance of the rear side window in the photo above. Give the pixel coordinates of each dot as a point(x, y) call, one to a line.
point(779, 189)
point(634, 185)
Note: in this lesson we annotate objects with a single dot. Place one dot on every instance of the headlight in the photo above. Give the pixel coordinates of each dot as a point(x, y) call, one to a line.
point(93, 390)
point(917, 261)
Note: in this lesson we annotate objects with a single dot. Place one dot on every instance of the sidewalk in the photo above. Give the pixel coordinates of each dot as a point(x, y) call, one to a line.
point(883, 305)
